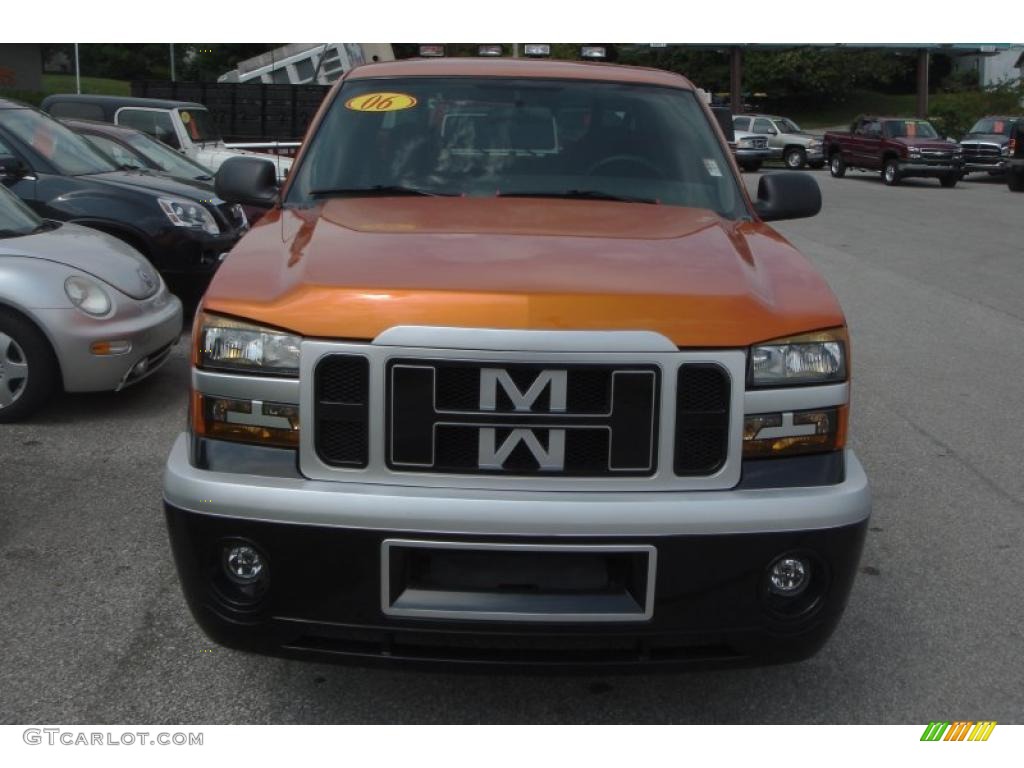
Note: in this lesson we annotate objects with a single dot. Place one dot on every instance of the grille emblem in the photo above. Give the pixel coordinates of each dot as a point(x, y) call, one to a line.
point(467, 417)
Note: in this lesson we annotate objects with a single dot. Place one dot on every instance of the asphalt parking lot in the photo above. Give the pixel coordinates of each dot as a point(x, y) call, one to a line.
point(95, 629)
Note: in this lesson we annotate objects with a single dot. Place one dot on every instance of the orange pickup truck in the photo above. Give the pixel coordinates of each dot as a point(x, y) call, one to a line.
point(514, 371)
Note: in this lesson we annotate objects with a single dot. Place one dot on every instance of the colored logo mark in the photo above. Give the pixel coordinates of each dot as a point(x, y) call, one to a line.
point(960, 730)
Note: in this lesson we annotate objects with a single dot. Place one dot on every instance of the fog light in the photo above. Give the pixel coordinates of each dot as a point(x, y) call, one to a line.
point(139, 368)
point(243, 563)
point(789, 576)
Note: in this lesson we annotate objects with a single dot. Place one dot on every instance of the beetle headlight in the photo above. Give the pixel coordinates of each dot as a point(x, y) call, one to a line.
point(87, 295)
point(188, 213)
point(812, 358)
point(239, 346)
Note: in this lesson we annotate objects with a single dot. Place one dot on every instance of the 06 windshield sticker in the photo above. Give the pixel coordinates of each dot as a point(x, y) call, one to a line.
point(380, 102)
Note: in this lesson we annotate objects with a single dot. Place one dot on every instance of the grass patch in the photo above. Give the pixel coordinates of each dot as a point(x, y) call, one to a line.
point(99, 85)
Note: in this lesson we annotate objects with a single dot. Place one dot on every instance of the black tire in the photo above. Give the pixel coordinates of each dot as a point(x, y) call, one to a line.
point(836, 165)
point(891, 172)
point(1015, 181)
point(795, 158)
point(817, 165)
point(753, 167)
point(949, 180)
point(28, 367)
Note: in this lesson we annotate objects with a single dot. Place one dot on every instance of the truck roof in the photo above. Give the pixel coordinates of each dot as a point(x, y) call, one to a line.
point(545, 68)
point(118, 101)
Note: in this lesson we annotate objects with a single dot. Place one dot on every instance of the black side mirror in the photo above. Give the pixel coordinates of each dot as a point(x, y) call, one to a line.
point(787, 195)
point(248, 181)
point(12, 167)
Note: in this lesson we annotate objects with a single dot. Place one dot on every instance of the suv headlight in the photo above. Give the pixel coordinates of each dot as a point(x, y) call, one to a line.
point(87, 295)
point(811, 358)
point(187, 213)
point(239, 346)
point(913, 152)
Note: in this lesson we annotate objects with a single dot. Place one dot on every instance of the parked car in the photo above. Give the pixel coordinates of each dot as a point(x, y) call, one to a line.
point(793, 146)
point(1015, 159)
point(134, 150)
point(986, 146)
point(79, 310)
point(182, 125)
point(178, 225)
point(751, 150)
point(897, 147)
point(473, 393)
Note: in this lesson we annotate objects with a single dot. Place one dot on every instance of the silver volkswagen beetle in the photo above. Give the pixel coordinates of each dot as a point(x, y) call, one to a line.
point(78, 309)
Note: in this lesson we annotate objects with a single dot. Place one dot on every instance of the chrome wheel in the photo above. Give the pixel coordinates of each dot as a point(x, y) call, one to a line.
point(890, 173)
point(13, 371)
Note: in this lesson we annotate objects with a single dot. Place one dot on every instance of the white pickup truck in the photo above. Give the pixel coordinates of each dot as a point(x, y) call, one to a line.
point(186, 126)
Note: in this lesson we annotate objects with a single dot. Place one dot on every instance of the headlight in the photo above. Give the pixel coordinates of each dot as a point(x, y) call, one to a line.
point(87, 295)
point(747, 143)
point(914, 152)
point(1005, 151)
point(186, 213)
point(795, 432)
point(812, 358)
point(235, 345)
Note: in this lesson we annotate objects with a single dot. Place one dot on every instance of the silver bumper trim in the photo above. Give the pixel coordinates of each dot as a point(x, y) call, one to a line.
point(418, 509)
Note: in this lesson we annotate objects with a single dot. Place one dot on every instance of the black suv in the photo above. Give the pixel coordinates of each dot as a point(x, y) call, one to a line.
point(180, 226)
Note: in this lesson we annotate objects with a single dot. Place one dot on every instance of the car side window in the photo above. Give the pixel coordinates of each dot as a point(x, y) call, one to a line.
point(741, 123)
point(152, 122)
point(78, 111)
point(115, 151)
point(762, 125)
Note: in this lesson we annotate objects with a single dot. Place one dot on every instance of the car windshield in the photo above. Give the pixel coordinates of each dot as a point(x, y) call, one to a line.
point(787, 126)
point(66, 151)
point(16, 218)
point(166, 159)
point(994, 126)
point(909, 129)
point(527, 137)
point(200, 126)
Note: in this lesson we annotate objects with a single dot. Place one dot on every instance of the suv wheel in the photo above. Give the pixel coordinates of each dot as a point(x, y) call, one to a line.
point(891, 172)
point(28, 369)
point(1015, 180)
point(795, 158)
point(949, 180)
point(836, 165)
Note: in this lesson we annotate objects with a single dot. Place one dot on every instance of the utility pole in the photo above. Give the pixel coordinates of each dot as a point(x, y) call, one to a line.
point(172, 62)
point(78, 77)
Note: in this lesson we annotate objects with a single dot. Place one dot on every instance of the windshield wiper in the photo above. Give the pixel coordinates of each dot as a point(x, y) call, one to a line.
point(584, 194)
point(383, 190)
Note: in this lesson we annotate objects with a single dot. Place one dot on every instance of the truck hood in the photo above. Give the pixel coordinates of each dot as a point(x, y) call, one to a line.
point(213, 155)
point(940, 144)
point(88, 250)
point(353, 268)
point(988, 138)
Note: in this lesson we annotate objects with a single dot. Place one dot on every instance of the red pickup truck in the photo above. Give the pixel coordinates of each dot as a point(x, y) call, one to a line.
point(898, 147)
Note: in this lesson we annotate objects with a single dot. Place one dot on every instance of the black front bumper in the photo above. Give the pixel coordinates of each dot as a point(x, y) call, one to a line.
point(322, 599)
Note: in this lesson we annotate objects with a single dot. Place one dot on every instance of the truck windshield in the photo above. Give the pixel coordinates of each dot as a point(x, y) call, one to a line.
point(66, 151)
point(518, 137)
point(16, 218)
point(909, 129)
point(994, 126)
point(199, 125)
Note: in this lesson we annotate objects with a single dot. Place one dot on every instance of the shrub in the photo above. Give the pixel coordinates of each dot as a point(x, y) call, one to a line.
point(953, 114)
